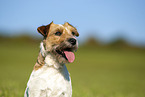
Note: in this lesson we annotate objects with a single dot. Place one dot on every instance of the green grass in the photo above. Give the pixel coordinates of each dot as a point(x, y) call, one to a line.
point(95, 72)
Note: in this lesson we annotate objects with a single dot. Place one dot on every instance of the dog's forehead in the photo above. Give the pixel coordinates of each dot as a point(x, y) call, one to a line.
point(65, 27)
point(62, 26)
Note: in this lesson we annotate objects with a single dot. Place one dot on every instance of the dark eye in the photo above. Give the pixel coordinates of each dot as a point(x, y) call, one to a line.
point(58, 33)
point(73, 33)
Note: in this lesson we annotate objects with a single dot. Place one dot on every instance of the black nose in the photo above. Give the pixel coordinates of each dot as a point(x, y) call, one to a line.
point(72, 41)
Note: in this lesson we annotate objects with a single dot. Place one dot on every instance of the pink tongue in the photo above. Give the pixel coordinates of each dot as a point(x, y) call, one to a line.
point(70, 56)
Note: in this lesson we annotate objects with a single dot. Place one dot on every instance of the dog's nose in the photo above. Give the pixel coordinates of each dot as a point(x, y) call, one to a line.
point(72, 41)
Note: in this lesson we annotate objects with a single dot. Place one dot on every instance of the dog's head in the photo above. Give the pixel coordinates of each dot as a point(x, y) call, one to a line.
point(60, 41)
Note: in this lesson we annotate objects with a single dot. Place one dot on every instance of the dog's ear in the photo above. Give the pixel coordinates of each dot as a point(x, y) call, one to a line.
point(44, 29)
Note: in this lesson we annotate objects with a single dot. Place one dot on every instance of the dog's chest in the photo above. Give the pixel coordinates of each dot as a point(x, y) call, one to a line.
point(50, 82)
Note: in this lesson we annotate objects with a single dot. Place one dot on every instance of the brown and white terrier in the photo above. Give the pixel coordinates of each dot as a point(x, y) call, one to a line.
point(50, 77)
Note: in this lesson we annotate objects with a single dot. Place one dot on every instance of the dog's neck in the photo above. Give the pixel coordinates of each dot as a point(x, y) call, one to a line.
point(47, 59)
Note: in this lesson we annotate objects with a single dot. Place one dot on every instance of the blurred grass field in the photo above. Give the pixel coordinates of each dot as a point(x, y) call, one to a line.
point(95, 73)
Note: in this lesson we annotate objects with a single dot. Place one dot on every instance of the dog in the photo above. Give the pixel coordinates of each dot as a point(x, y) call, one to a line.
point(50, 77)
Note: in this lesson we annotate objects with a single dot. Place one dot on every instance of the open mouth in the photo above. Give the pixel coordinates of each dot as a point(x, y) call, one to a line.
point(67, 53)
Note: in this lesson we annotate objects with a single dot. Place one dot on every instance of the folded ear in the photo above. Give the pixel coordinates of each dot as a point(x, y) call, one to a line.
point(77, 34)
point(44, 30)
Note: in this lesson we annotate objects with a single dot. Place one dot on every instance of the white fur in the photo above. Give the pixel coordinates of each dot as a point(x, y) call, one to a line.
point(42, 49)
point(67, 30)
point(51, 80)
point(49, 62)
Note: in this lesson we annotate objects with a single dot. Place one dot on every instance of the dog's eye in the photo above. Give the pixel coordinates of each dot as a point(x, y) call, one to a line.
point(58, 33)
point(73, 33)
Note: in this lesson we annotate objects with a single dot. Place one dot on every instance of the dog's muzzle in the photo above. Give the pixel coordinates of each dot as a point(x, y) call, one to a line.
point(67, 50)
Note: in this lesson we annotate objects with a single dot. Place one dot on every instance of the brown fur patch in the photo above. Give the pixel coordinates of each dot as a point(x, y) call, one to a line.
point(40, 62)
point(71, 28)
point(66, 31)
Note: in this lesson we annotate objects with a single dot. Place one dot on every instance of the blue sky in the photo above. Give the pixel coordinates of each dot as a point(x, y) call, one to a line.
point(104, 19)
